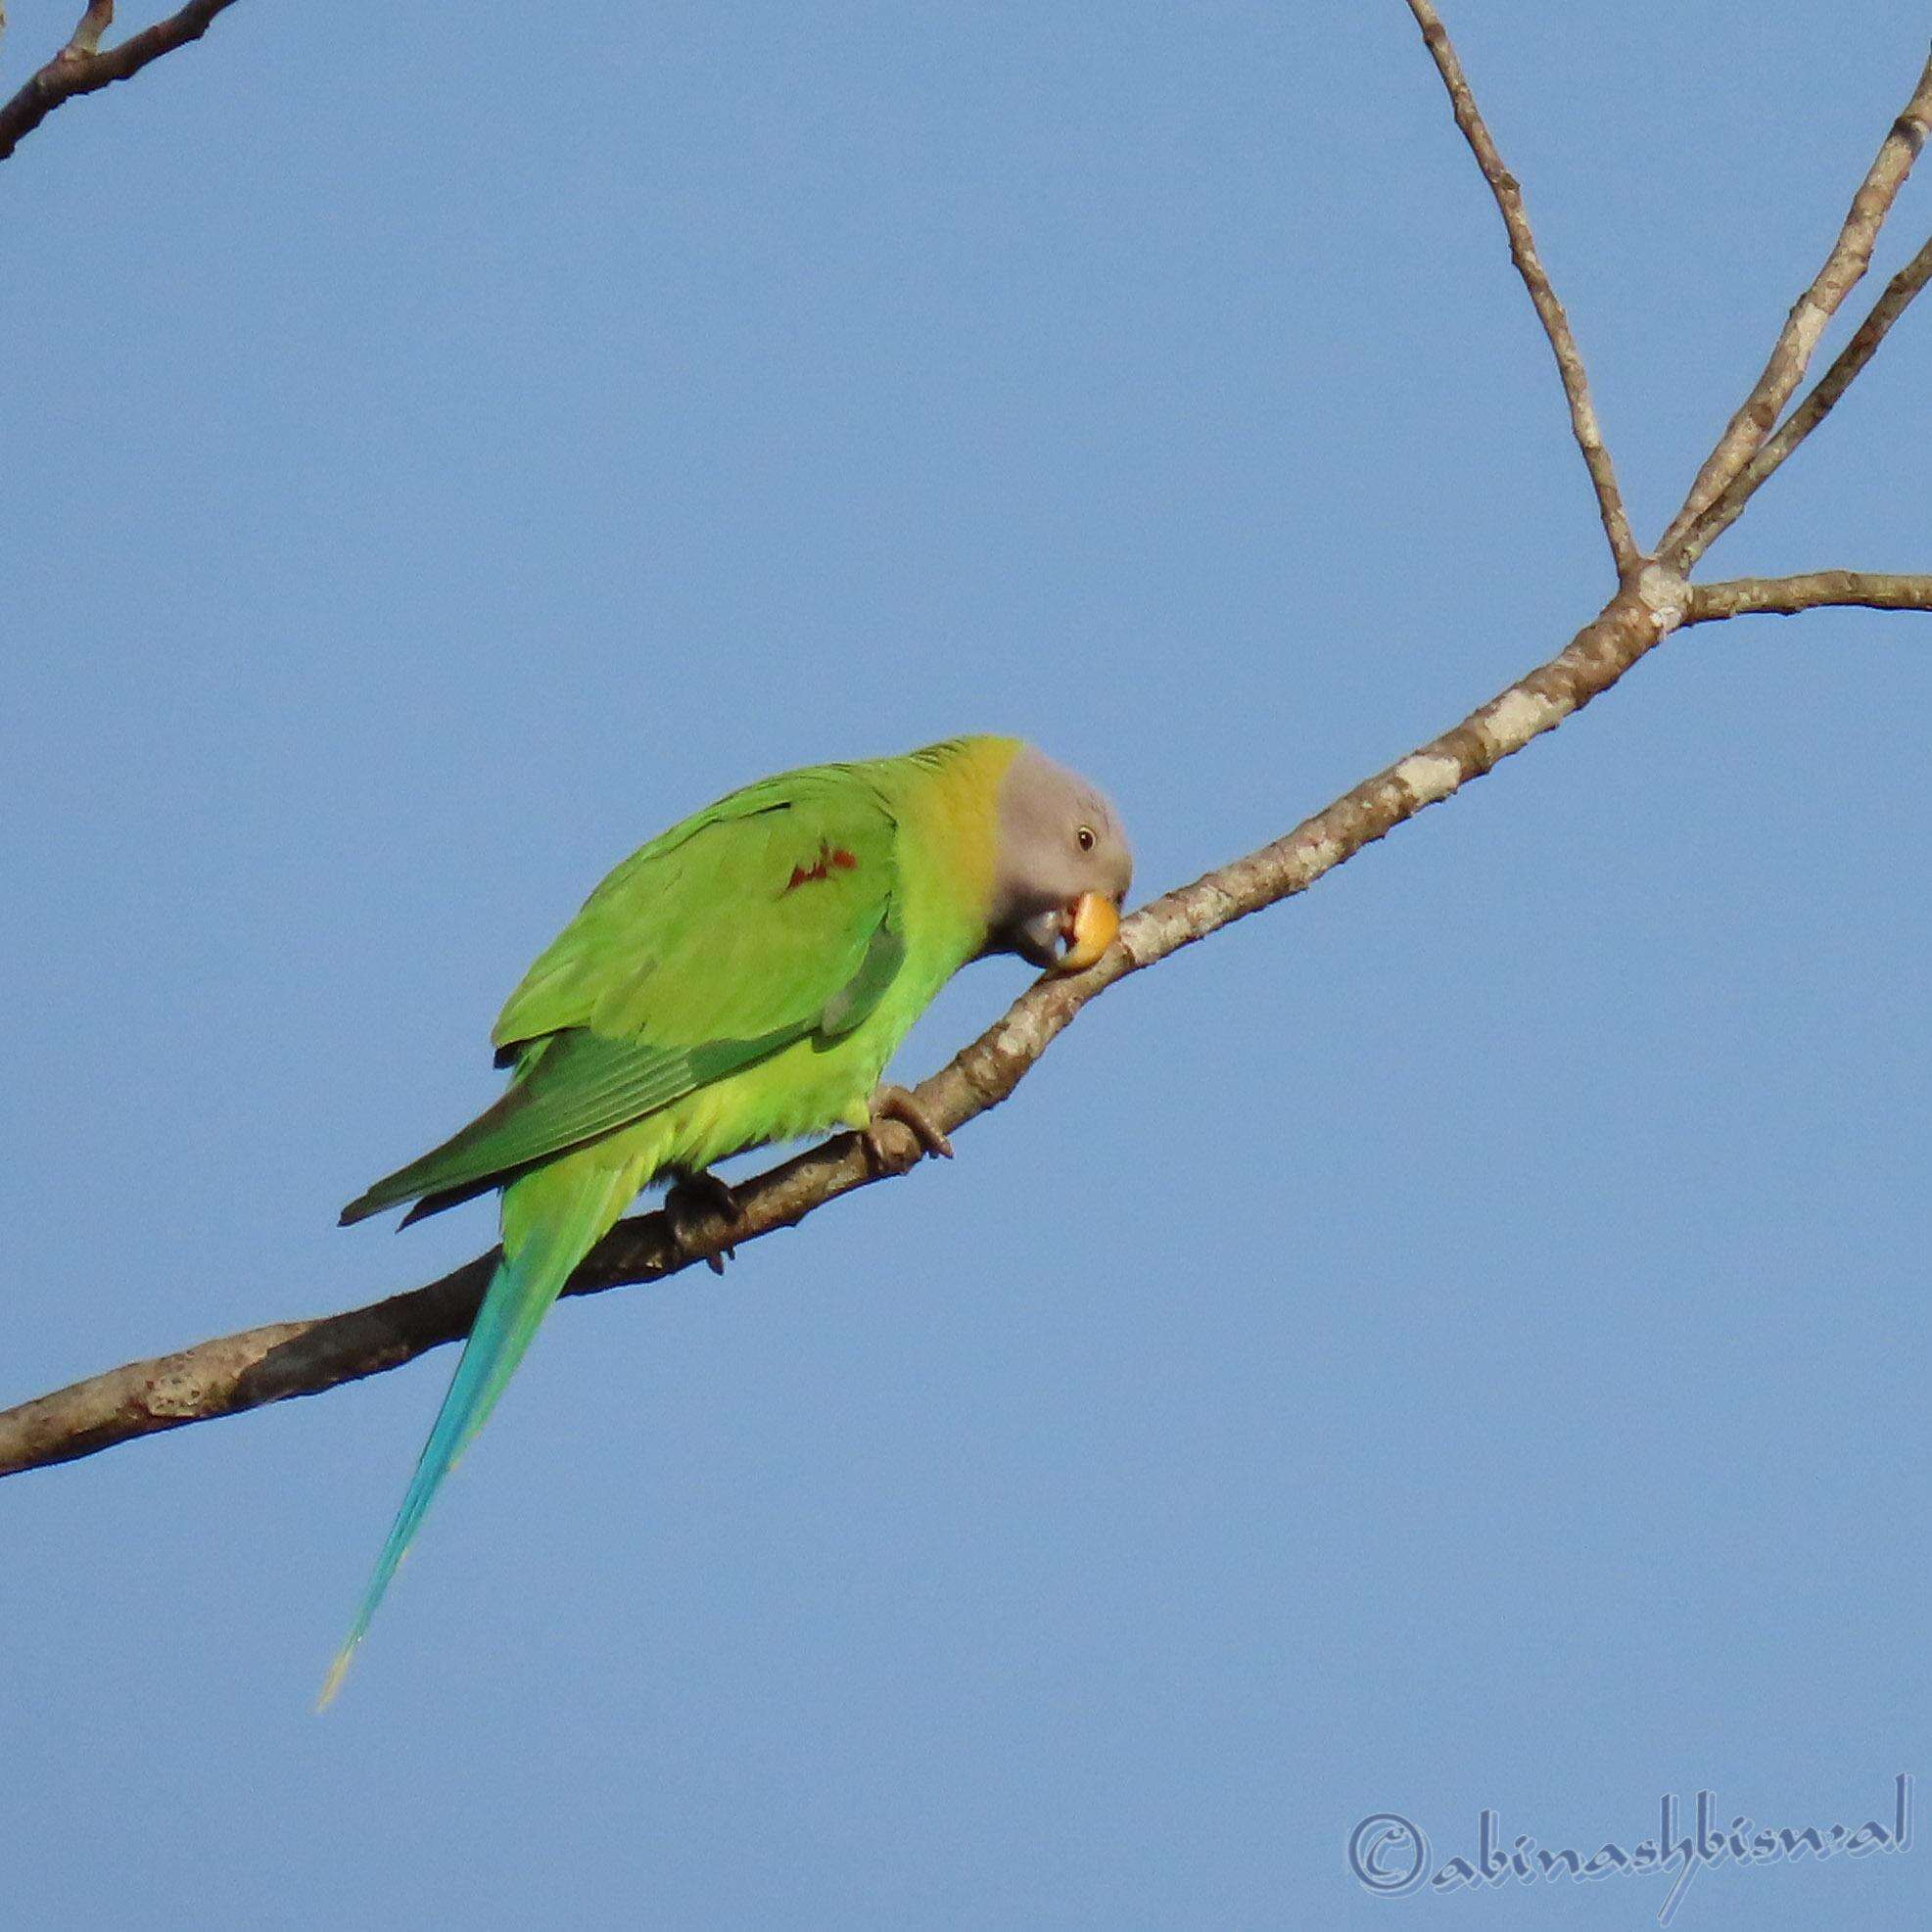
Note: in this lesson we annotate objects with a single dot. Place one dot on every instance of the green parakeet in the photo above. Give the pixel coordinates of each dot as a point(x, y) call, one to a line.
point(745, 978)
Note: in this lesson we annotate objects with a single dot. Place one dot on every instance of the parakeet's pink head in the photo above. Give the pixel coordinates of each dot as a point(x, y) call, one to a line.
point(1061, 869)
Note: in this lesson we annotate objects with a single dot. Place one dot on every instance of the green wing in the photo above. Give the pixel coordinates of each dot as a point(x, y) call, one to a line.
point(758, 922)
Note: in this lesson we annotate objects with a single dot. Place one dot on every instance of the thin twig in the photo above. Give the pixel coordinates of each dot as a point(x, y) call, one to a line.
point(1818, 590)
point(1508, 192)
point(1791, 354)
point(94, 23)
point(302, 1358)
point(72, 72)
point(1812, 411)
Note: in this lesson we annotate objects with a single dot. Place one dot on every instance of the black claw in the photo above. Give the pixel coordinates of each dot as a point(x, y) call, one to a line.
point(697, 1195)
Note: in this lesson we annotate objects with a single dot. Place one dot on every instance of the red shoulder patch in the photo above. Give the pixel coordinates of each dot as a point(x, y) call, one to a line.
point(829, 857)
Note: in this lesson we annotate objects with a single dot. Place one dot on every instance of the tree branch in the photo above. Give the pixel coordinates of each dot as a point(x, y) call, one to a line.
point(1812, 411)
point(301, 1358)
point(1508, 192)
point(1785, 597)
point(78, 68)
point(269, 1365)
point(1791, 354)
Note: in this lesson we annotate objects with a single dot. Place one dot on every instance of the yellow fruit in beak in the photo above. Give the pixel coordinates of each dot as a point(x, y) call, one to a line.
point(1092, 921)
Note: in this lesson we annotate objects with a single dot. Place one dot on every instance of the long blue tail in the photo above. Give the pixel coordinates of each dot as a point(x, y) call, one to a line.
point(552, 1219)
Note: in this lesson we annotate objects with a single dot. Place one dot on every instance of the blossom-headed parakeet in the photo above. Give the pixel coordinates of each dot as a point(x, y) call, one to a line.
point(743, 979)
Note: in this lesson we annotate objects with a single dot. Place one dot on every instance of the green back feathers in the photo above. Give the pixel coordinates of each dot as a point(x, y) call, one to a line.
point(745, 919)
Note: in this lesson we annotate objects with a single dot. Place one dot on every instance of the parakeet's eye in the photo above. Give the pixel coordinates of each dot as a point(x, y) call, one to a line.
point(1085, 835)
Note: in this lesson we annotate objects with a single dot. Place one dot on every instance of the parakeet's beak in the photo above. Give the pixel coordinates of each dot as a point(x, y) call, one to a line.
point(1067, 938)
point(1088, 928)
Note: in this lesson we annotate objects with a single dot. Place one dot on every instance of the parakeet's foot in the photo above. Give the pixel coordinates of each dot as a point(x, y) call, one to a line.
point(692, 1198)
point(896, 1104)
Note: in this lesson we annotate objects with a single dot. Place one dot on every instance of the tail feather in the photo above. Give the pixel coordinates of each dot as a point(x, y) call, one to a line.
point(552, 1219)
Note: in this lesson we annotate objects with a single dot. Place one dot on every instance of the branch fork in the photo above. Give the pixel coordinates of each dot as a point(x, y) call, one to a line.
point(81, 67)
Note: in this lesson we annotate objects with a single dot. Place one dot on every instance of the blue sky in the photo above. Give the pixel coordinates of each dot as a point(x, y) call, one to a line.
point(1456, 1341)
